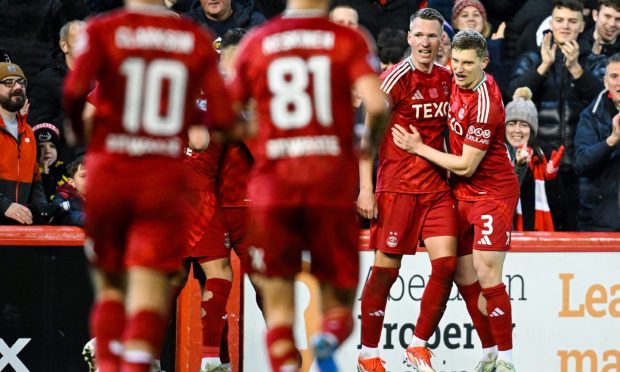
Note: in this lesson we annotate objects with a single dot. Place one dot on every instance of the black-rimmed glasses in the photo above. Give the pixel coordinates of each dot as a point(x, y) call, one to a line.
point(10, 83)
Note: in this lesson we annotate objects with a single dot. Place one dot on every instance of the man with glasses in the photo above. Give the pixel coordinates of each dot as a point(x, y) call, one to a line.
point(20, 180)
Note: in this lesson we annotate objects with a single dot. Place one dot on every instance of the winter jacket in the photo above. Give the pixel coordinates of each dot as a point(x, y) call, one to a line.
point(375, 17)
point(597, 62)
point(69, 205)
point(244, 16)
point(45, 93)
point(30, 29)
point(20, 180)
point(598, 165)
point(558, 97)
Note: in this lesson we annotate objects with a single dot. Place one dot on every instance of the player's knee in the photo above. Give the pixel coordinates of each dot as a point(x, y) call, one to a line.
point(444, 268)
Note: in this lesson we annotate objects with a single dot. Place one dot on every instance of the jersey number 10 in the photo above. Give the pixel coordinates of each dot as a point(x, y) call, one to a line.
point(291, 106)
point(143, 96)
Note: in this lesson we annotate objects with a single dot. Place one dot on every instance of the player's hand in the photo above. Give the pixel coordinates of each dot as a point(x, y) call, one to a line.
point(501, 30)
point(198, 138)
point(408, 141)
point(19, 213)
point(553, 165)
point(367, 204)
point(524, 154)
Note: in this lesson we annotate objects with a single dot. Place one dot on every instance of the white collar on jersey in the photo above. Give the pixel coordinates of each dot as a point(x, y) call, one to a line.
point(484, 78)
point(304, 13)
point(410, 62)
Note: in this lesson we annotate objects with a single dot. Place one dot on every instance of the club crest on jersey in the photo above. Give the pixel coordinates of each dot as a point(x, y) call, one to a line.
point(392, 240)
point(446, 90)
point(461, 113)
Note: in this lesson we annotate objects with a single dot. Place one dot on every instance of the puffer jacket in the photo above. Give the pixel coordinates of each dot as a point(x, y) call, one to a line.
point(558, 97)
point(244, 16)
point(598, 165)
point(20, 180)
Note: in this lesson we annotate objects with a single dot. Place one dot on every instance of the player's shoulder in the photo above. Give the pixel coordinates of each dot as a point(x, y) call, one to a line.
point(489, 104)
point(396, 73)
point(442, 71)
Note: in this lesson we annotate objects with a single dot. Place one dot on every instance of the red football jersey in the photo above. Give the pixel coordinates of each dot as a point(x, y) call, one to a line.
point(477, 119)
point(421, 100)
point(150, 65)
point(300, 69)
point(233, 175)
point(204, 166)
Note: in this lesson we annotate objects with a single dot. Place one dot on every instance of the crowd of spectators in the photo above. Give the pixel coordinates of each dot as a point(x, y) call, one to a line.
point(558, 49)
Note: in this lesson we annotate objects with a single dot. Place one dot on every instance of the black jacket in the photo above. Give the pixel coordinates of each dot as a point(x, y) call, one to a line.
point(375, 17)
point(597, 62)
point(599, 168)
point(45, 93)
point(30, 29)
point(558, 97)
point(244, 16)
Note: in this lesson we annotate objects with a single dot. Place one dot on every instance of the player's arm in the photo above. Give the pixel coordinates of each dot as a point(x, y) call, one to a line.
point(464, 165)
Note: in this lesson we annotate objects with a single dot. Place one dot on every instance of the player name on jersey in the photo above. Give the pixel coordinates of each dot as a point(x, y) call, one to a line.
point(303, 146)
point(298, 39)
point(140, 145)
point(166, 40)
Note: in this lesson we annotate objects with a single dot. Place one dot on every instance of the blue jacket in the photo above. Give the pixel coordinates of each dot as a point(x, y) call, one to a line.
point(598, 165)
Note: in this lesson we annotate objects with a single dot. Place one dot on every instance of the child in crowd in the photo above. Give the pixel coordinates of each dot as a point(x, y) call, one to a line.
point(69, 197)
point(52, 169)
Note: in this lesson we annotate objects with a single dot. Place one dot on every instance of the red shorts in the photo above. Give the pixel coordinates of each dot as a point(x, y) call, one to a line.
point(205, 223)
point(278, 235)
point(406, 219)
point(137, 214)
point(485, 224)
point(225, 231)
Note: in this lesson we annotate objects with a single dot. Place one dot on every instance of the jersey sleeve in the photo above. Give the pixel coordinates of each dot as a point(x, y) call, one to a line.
point(484, 119)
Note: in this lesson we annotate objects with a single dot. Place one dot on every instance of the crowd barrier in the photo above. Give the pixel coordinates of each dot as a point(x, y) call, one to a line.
point(564, 287)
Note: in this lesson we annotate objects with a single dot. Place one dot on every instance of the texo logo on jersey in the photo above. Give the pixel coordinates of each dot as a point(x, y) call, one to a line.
point(431, 110)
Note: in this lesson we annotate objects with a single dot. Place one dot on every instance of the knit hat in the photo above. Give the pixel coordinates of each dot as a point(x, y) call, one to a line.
point(46, 132)
point(10, 69)
point(459, 5)
point(522, 108)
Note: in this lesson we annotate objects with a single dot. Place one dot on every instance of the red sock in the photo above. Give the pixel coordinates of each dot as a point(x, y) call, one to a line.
point(470, 294)
point(277, 335)
point(224, 356)
point(374, 299)
point(146, 326)
point(338, 321)
point(435, 296)
point(107, 321)
point(500, 315)
point(214, 318)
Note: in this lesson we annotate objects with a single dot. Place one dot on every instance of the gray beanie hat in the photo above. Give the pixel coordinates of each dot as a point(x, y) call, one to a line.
point(522, 108)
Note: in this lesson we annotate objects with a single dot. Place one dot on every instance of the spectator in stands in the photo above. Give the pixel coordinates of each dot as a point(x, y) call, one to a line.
point(472, 15)
point(376, 15)
point(603, 36)
point(52, 170)
point(520, 36)
point(30, 29)
point(445, 48)
point(542, 201)
point(45, 89)
point(21, 193)
point(344, 15)
point(392, 46)
point(69, 199)
point(561, 88)
point(222, 15)
point(270, 8)
point(597, 156)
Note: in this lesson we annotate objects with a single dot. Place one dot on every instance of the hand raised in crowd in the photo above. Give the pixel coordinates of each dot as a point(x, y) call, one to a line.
point(405, 140)
point(367, 204)
point(570, 49)
point(614, 137)
point(19, 213)
point(524, 154)
point(547, 53)
point(499, 33)
point(553, 165)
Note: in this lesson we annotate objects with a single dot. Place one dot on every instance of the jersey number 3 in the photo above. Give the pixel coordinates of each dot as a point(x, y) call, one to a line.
point(291, 106)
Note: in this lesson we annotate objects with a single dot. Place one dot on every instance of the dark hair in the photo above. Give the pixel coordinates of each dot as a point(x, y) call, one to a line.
point(428, 14)
point(614, 58)
point(609, 3)
point(470, 39)
point(232, 37)
point(575, 5)
point(392, 44)
point(74, 166)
